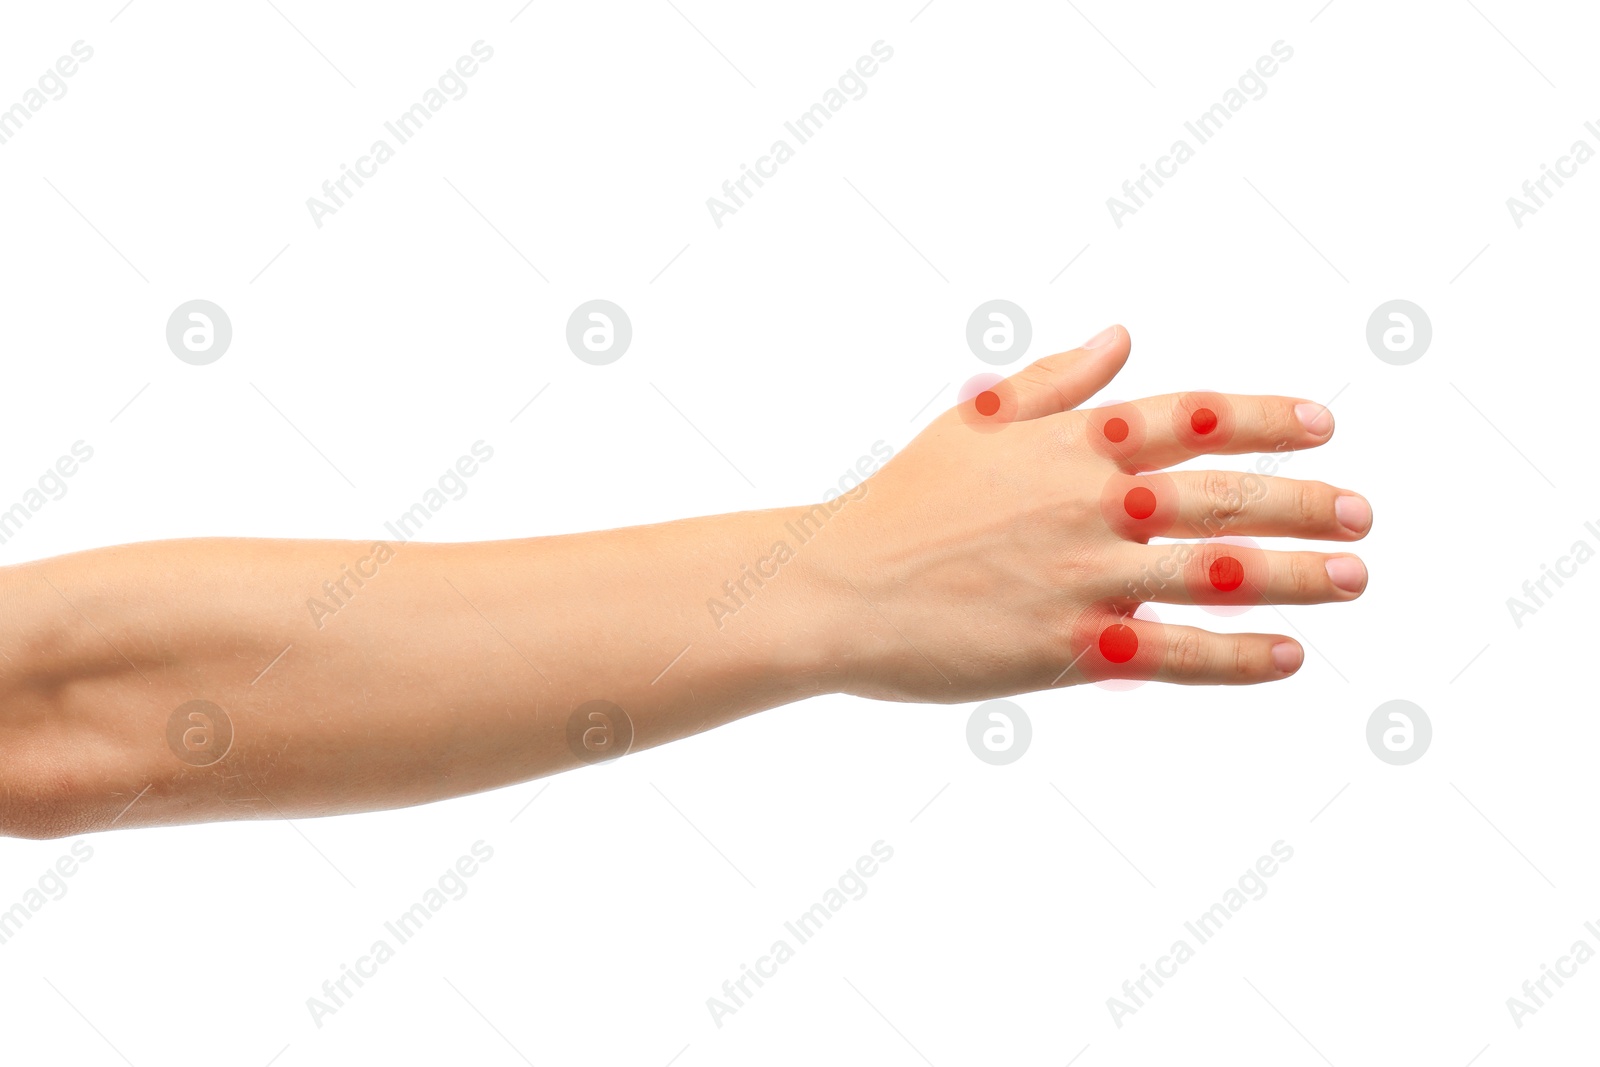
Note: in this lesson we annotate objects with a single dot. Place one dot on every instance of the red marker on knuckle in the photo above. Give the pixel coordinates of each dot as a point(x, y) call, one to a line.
point(988, 403)
point(1227, 576)
point(1116, 432)
point(1203, 422)
point(1118, 643)
point(1113, 649)
point(1139, 507)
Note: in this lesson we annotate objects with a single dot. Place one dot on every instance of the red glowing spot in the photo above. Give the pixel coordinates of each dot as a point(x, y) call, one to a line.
point(987, 403)
point(1116, 430)
point(1204, 420)
point(1227, 574)
point(1140, 503)
point(1118, 643)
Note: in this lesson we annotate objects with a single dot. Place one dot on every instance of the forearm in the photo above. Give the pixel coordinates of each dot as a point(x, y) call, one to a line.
point(357, 676)
point(1009, 548)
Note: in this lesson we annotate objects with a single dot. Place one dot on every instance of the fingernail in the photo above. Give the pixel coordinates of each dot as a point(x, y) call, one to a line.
point(1287, 656)
point(1101, 339)
point(1348, 573)
point(1315, 418)
point(1354, 513)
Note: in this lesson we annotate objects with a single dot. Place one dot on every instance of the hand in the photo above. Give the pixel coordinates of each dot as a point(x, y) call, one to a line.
point(1007, 547)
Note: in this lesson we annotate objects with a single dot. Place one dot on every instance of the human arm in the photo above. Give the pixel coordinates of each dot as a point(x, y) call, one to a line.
point(988, 558)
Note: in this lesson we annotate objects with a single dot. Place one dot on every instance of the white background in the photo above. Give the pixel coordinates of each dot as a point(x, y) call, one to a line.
point(819, 319)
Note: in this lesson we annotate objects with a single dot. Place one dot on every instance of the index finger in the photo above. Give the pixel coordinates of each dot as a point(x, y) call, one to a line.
point(1160, 431)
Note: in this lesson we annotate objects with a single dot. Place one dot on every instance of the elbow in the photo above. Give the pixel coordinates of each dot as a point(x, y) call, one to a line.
point(62, 727)
point(37, 805)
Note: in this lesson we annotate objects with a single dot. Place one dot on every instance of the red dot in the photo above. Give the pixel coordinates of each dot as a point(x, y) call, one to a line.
point(1227, 573)
point(1140, 503)
point(1204, 420)
point(988, 402)
point(1118, 643)
point(1116, 430)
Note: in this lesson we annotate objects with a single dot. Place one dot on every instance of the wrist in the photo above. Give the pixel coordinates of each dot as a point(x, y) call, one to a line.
point(783, 600)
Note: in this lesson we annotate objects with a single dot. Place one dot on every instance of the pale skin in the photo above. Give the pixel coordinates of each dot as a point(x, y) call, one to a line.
point(978, 562)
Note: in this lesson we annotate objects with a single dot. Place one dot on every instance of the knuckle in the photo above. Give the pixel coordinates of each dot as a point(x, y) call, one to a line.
point(1071, 570)
point(1278, 423)
point(1309, 504)
point(1038, 378)
point(1305, 577)
point(1073, 509)
point(1186, 656)
point(1222, 495)
point(1034, 374)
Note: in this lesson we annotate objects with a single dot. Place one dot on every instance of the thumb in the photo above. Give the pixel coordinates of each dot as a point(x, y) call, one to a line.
point(1061, 382)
